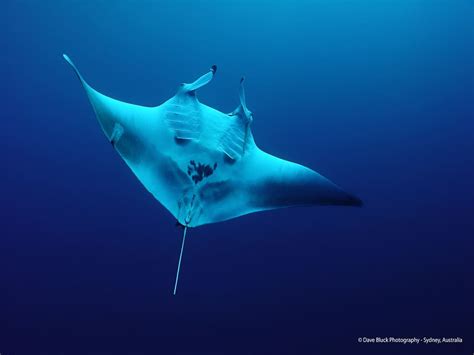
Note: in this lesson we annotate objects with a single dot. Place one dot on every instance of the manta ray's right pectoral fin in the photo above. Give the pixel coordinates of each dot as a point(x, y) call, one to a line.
point(283, 184)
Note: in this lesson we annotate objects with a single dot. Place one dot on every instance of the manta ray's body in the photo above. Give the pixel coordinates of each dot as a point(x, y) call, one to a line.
point(203, 165)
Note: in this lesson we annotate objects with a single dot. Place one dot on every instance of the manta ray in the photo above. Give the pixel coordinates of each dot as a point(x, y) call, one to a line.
point(203, 165)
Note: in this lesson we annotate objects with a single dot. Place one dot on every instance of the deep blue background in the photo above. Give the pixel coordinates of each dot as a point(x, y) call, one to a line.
point(376, 95)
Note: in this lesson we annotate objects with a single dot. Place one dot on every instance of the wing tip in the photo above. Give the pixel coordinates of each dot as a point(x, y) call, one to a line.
point(71, 63)
point(353, 200)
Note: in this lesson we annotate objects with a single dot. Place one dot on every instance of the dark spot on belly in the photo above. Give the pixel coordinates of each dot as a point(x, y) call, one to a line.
point(199, 171)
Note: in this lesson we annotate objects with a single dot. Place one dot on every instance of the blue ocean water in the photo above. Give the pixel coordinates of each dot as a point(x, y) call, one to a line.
point(377, 96)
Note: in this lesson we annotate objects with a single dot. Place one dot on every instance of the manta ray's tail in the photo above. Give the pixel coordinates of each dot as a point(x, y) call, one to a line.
point(179, 262)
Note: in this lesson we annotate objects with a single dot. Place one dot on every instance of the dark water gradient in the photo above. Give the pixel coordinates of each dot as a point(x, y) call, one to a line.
point(376, 95)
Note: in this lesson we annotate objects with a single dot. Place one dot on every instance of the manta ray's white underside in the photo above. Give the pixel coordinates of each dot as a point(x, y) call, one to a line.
point(203, 165)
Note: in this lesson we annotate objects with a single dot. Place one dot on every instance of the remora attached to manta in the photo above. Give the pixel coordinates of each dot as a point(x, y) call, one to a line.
point(203, 165)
